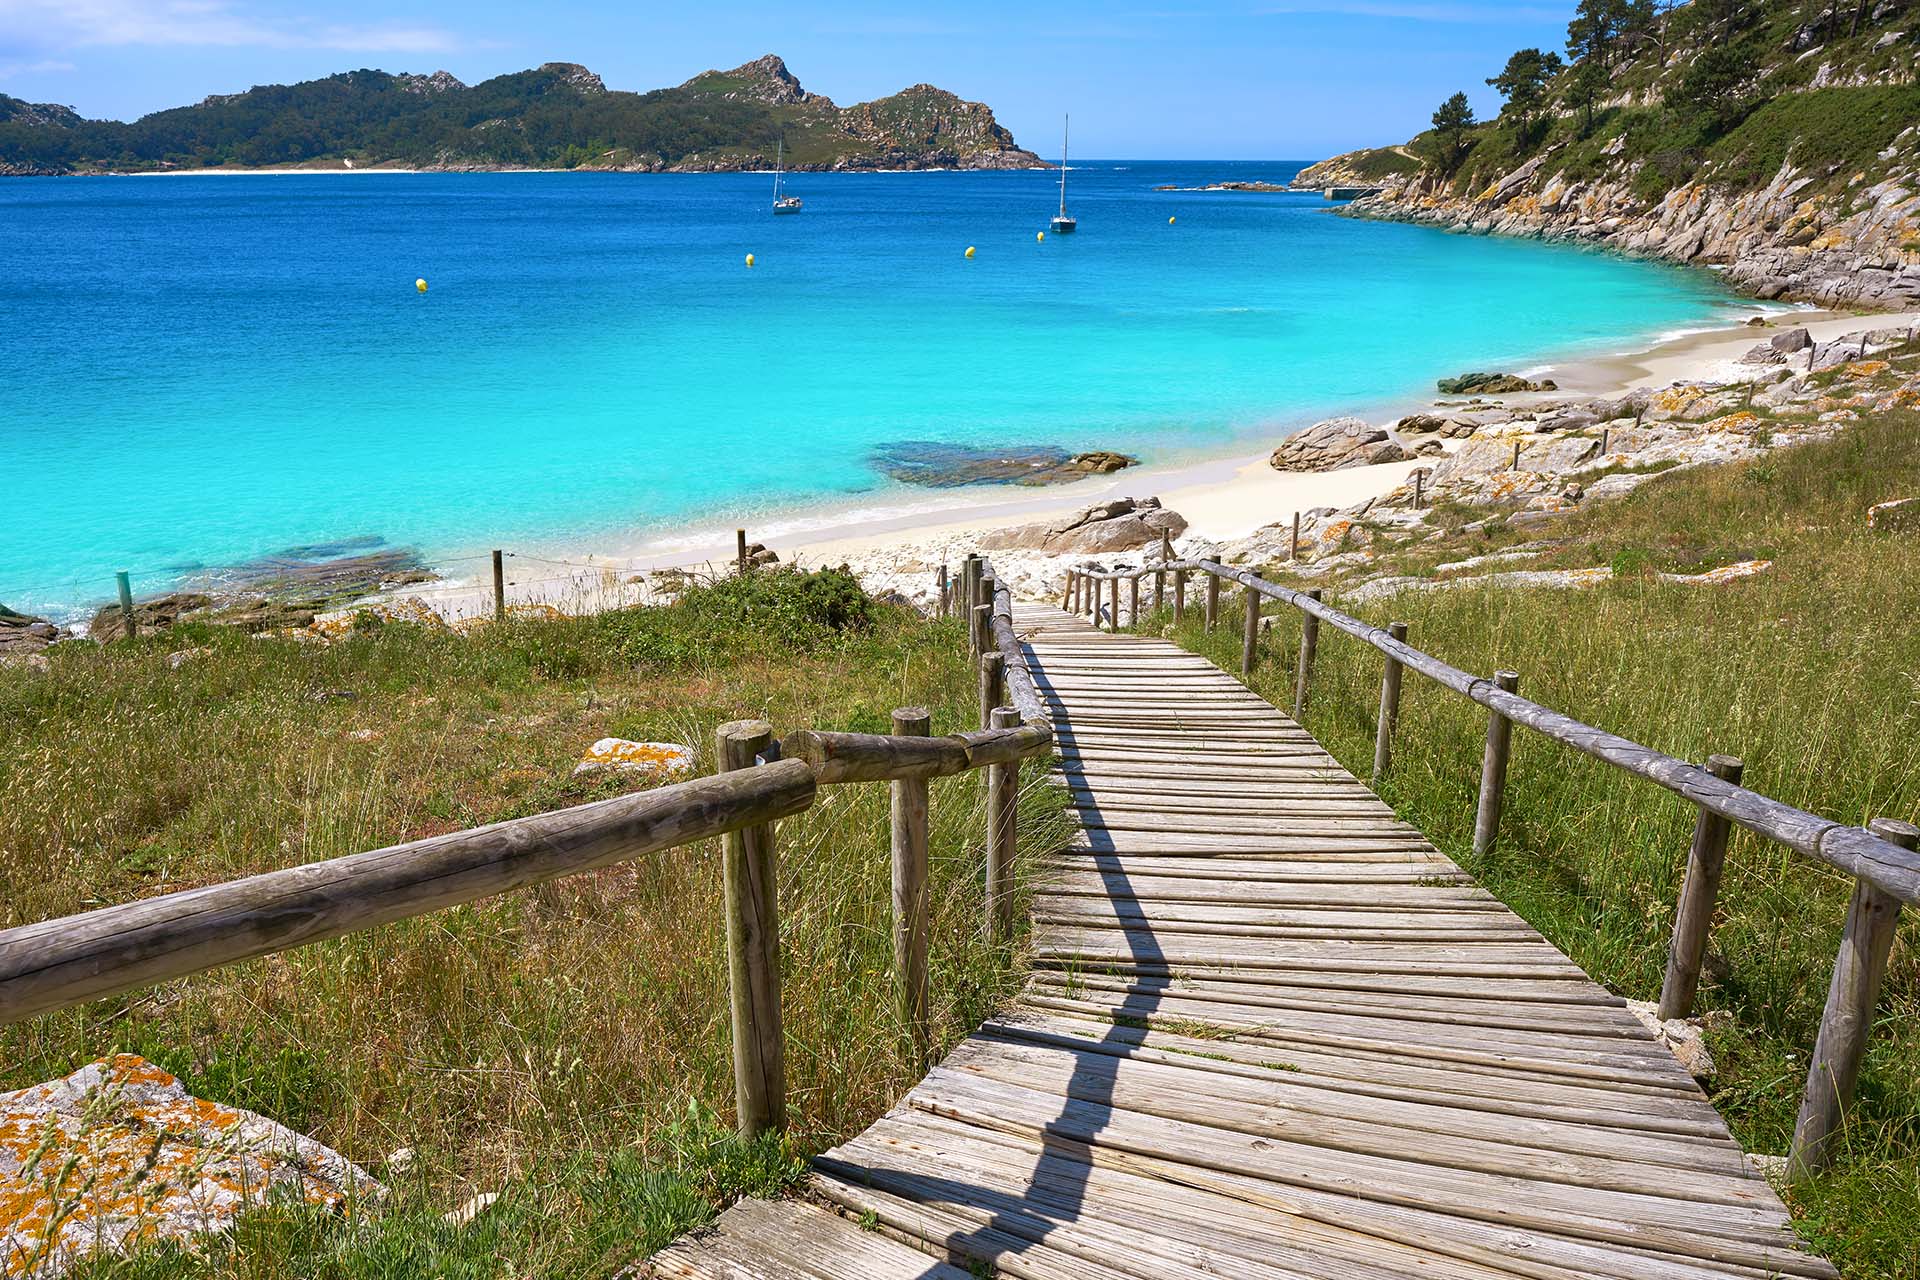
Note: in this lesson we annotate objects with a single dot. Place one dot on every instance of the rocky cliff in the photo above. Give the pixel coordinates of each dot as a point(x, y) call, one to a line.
point(1772, 142)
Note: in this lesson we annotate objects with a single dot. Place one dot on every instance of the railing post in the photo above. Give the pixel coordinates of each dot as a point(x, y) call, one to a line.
point(1389, 707)
point(1066, 594)
point(1693, 917)
point(1251, 636)
point(1853, 993)
point(1210, 611)
point(1003, 812)
point(908, 798)
point(1160, 574)
point(1419, 478)
point(946, 605)
point(980, 632)
point(1133, 603)
point(499, 588)
point(126, 604)
point(993, 685)
point(1179, 596)
point(1113, 604)
point(740, 550)
point(749, 871)
point(1493, 770)
point(1309, 645)
point(1294, 550)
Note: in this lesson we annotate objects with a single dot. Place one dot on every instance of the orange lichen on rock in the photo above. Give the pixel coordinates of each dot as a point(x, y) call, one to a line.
point(657, 759)
point(118, 1153)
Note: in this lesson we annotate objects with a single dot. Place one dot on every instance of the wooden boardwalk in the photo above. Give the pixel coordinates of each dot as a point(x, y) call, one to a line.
point(1272, 1033)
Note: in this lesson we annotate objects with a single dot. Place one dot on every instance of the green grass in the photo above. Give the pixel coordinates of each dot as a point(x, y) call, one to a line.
point(1808, 673)
point(565, 1046)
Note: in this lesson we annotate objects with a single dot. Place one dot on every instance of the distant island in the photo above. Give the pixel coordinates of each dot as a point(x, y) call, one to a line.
point(557, 116)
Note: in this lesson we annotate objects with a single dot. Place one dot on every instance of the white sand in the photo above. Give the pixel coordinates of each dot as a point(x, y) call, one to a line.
point(1221, 499)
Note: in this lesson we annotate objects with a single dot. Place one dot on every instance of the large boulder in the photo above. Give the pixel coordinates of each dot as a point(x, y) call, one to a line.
point(1120, 524)
point(156, 614)
point(1335, 445)
point(22, 634)
point(1491, 384)
point(1791, 341)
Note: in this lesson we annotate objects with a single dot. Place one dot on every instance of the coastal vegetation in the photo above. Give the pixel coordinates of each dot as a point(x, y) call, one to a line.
point(557, 116)
point(565, 1048)
point(1797, 670)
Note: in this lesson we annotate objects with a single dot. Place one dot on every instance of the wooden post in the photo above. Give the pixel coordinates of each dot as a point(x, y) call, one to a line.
point(1113, 604)
point(1493, 770)
point(1389, 707)
point(1210, 610)
point(1309, 645)
point(1160, 574)
point(1419, 480)
point(908, 798)
point(499, 588)
point(1179, 596)
point(993, 685)
point(1066, 594)
point(1515, 466)
point(1606, 434)
point(980, 636)
point(740, 549)
point(1133, 604)
point(1693, 918)
point(1251, 636)
point(946, 603)
point(749, 870)
point(1293, 552)
point(126, 604)
point(1003, 812)
point(1853, 993)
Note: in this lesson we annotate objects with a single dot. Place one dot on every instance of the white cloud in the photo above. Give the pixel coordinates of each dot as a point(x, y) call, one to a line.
point(40, 67)
point(75, 23)
point(1419, 10)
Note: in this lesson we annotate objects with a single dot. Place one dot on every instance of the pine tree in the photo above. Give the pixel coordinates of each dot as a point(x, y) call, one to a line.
point(1452, 123)
point(1524, 85)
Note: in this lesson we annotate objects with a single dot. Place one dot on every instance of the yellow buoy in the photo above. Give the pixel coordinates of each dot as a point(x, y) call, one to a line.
point(1169, 221)
point(421, 285)
point(749, 259)
point(1039, 235)
point(969, 251)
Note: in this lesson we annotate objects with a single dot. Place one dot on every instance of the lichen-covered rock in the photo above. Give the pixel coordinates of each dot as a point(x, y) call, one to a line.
point(1336, 444)
point(118, 1153)
point(1492, 384)
point(647, 759)
point(156, 614)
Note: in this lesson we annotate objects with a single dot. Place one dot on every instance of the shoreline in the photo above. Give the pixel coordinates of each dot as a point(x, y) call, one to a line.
point(1224, 496)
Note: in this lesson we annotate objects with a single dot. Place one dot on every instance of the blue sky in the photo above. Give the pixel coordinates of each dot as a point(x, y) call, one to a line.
point(1268, 79)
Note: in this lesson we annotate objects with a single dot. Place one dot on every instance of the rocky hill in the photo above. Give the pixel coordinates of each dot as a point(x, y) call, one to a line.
point(558, 116)
point(1778, 141)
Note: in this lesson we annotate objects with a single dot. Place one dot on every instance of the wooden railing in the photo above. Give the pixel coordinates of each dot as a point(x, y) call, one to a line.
point(1880, 857)
point(58, 963)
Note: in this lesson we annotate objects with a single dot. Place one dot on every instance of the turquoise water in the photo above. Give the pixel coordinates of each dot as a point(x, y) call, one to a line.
point(199, 371)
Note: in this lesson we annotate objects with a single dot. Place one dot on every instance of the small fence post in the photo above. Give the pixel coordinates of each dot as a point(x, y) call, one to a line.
point(1294, 551)
point(908, 797)
point(1133, 603)
point(1419, 479)
point(1251, 637)
point(1113, 604)
point(946, 603)
point(993, 685)
point(1693, 916)
point(1066, 594)
point(1003, 812)
point(1493, 770)
point(1606, 434)
point(1389, 707)
point(1853, 993)
point(980, 633)
point(1160, 574)
point(1516, 457)
point(740, 549)
point(126, 604)
point(1309, 645)
point(1179, 596)
point(749, 871)
point(499, 588)
point(1210, 610)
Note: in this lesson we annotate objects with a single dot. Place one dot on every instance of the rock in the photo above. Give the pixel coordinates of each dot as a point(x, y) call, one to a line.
point(181, 657)
point(1791, 341)
point(157, 1162)
point(38, 663)
point(1902, 515)
point(1335, 445)
point(1419, 424)
point(364, 735)
point(21, 634)
point(1120, 524)
point(939, 465)
point(1491, 384)
point(647, 759)
point(1772, 1168)
point(1683, 1037)
point(156, 614)
point(759, 556)
point(1764, 354)
point(472, 1209)
point(1429, 449)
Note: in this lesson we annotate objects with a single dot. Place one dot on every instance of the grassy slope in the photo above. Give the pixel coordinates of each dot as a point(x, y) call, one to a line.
point(1808, 673)
point(566, 1045)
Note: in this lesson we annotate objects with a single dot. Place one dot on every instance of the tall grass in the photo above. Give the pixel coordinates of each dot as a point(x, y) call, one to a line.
point(566, 1046)
point(1808, 673)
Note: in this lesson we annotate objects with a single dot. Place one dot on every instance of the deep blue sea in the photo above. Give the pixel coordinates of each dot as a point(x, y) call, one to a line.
point(198, 371)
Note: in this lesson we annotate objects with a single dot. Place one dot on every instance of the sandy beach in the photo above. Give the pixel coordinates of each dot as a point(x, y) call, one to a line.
point(902, 548)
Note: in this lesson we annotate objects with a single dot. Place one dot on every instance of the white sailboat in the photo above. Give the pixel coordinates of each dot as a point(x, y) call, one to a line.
point(1063, 222)
point(782, 204)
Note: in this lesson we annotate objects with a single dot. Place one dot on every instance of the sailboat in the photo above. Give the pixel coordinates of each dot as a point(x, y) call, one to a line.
point(1063, 222)
point(782, 204)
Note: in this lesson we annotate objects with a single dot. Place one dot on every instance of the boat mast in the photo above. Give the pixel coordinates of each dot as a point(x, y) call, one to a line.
point(779, 154)
point(1064, 125)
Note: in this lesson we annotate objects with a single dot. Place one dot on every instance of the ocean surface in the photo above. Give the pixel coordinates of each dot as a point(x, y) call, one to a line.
point(199, 371)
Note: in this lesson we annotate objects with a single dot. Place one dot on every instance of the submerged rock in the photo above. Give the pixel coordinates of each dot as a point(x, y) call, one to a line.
point(940, 465)
point(119, 1153)
point(1492, 384)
